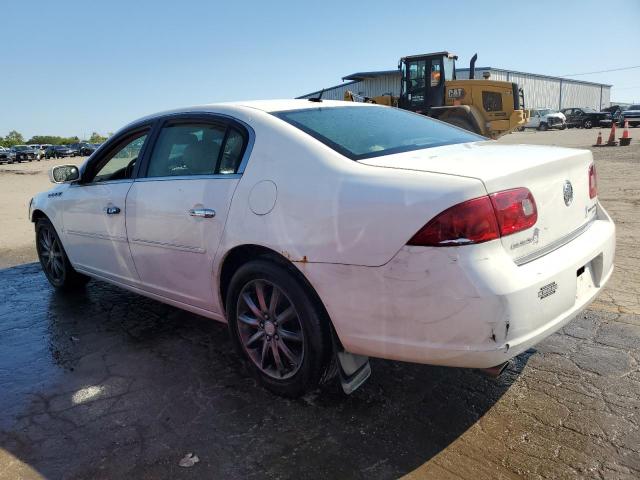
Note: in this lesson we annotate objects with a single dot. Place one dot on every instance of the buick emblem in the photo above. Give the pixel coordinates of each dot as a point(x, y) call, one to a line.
point(567, 193)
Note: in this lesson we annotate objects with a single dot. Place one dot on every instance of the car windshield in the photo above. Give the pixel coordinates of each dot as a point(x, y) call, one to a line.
point(545, 111)
point(588, 110)
point(362, 132)
point(21, 147)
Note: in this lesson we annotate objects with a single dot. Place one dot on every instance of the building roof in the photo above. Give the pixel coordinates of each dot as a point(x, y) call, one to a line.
point(382, 73)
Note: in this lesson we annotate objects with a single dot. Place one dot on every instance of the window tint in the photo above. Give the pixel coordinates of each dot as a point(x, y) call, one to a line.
point(363, 132)
point(186, 149)
point(232, 152)
point(120, 164)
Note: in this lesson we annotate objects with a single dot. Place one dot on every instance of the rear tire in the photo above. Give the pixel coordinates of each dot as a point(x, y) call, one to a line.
point(588, 124)
point(286, 342)
point(53, 259)
point(543, 127)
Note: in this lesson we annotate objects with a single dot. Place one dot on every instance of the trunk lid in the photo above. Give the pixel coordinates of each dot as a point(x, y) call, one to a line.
point(545, 171)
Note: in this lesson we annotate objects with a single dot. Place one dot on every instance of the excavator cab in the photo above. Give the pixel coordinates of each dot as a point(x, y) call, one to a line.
point(423, 80)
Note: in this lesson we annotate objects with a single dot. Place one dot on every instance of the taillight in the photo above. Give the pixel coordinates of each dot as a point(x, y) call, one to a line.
point(468, 222)
point(593, 181)
point(480, 220)
point(515, 209)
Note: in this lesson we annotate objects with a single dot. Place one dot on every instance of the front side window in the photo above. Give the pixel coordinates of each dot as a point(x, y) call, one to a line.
point(196, 149)
point(368, 131)
point(119, 164)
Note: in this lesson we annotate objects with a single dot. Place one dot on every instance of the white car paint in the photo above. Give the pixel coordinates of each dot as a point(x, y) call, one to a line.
point(345, 225)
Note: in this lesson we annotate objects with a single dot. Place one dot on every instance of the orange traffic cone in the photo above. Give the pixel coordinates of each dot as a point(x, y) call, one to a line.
point(599, 139)
point(612, 136)
point(625, 139)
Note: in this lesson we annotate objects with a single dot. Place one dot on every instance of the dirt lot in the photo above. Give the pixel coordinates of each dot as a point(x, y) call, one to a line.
point(112, 385)
point(18, 183)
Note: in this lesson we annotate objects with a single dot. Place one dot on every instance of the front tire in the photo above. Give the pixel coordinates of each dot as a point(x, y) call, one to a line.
point(543, 127)
point(277, 326)
point(53, 259)
point(588, 124)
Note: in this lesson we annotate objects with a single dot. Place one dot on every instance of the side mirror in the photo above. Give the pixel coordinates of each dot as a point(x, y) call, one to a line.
point(64, 174)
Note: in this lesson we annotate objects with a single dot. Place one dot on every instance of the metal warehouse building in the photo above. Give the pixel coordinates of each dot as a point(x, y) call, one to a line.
point(539, 90)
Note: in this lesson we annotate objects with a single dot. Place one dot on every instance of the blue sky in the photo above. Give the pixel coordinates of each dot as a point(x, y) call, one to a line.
point(71, 67)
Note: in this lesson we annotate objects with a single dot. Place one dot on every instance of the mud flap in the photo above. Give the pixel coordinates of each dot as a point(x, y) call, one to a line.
point(354, 371)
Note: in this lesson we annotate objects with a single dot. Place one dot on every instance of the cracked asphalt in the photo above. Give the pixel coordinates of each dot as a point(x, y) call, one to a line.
point(108, 384)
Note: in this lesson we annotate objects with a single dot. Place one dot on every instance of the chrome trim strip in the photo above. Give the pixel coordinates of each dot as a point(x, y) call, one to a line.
point(172, 246)
point(100, 236)
point(219, 176)
point(554, 245)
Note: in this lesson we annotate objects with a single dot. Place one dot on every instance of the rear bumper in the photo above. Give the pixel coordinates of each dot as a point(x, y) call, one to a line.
point(466, 306)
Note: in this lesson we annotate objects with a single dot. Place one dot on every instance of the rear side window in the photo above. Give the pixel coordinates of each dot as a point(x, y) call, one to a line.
point(196, 149)
point(363, 132)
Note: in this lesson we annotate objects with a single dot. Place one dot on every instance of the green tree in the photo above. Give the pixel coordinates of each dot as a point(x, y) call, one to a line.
point(13, 138)
point(97, 138)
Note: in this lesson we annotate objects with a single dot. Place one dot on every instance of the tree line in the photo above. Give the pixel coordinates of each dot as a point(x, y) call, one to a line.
point(16, 138)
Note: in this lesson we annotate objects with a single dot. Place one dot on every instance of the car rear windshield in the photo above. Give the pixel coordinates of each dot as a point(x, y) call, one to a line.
point(359, 132)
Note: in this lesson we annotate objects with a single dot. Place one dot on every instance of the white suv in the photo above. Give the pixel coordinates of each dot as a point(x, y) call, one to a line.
point(546, 118)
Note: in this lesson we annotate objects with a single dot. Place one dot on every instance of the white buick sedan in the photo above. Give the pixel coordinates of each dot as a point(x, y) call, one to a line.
point(325, 233)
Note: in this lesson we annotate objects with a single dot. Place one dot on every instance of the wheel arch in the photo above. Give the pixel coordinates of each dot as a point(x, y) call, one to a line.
point(37, 214)
point(242, 254)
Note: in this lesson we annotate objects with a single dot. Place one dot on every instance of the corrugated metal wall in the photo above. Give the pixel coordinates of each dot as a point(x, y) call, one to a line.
point(369, 87)
point(539, 91)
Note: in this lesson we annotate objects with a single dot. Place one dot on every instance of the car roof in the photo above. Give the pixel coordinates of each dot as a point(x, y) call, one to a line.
point(268, 106)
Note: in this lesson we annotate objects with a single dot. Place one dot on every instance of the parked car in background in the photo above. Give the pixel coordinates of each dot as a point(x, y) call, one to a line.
point(546, 118)
point(631, 115)
point(25, 152)
point(615, 111)
point(58, 151)
point(586, 117)
point(38, 149)
point(328, 232)
point(7, 155)
point(87, 149)
point(75, 149)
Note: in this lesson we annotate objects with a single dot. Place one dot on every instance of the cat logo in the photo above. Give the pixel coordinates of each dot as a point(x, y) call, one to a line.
point(455, 92)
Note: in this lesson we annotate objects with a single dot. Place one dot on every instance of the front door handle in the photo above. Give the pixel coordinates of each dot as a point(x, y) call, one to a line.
point(112, 210)
point(202, 212)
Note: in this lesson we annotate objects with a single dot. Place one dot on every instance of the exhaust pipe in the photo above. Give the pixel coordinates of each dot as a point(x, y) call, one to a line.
point(472, 67)
point(495, 372)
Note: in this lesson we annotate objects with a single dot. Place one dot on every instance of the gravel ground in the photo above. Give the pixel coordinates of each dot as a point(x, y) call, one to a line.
point(112, 385)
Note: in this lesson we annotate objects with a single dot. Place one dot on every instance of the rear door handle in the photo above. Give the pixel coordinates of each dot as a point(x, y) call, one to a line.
point(202, 212)
point(112, 210)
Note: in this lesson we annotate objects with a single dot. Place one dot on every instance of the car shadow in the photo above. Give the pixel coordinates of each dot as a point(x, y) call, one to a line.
point(104, 383)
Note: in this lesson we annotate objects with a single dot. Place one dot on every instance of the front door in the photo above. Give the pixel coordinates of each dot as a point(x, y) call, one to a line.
point(94, 213)
point(176, 214)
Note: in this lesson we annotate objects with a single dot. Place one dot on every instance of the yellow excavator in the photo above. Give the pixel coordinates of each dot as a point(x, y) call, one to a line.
point(428, 86)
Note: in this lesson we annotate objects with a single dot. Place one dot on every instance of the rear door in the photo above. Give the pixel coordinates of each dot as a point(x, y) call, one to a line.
point(177, 212)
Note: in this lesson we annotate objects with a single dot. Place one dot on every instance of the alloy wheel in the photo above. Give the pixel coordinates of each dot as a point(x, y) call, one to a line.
point(51, 254)
point(270, 329)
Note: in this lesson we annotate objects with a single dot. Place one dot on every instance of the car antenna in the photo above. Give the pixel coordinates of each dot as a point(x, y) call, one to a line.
point(318, 98)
